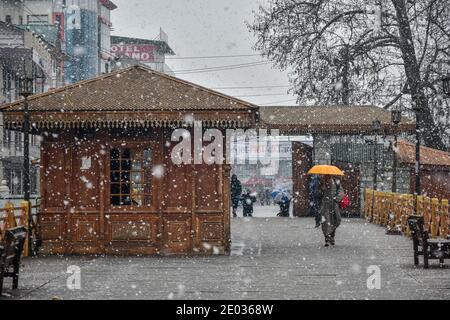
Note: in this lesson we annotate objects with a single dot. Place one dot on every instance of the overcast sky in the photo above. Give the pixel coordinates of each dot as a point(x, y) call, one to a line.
point(206, 28)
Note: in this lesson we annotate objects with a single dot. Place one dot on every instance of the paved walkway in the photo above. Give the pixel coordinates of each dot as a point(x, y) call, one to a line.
point(273, 258)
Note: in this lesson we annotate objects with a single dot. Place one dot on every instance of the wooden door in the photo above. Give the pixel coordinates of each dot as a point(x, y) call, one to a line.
point(351, 184)
point(87, 232)
point(301, 163)
point(132, 196)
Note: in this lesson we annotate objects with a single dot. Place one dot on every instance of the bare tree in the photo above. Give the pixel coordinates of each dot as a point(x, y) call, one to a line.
point(355, 52)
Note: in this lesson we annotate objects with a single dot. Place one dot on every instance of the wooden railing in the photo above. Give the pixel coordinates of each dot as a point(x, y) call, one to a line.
point(392, 210)
point(11, 217)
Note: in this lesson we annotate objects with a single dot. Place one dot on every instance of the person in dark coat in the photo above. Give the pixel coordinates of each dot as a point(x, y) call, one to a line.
point(285, 204)
point(247, 203)
point(268, 196)
point(236, 191)
point(314, 203)
point(330, 193)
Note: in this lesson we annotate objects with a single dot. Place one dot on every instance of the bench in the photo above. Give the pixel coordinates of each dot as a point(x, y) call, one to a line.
point(430, 249)
point(10, 255)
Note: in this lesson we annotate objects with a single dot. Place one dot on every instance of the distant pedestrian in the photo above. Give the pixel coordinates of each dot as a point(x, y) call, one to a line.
point(267, 196)
point(236, 191)
point(261, 195)
point(314, 203)
point(248, 199)
point(330, 193)
point(285, 204)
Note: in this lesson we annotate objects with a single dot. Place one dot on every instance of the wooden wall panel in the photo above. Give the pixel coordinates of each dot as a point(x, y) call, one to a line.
point(52, 227)
point(177, 237)
point(208, 188)
point(133, 229)
point(86, 229)
point(85, 193)
point(189, 215)
point(435, 183)
point(177, 196)
point(210, 229)
point(53, 177)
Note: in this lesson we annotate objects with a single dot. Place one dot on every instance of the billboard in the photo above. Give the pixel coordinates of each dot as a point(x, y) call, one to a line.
point(144, 53)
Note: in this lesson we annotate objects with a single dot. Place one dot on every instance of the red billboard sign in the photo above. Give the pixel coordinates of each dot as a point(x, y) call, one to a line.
point(140, 52)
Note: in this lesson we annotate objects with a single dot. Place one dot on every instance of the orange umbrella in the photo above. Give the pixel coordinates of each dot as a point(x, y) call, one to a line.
point(326, 170)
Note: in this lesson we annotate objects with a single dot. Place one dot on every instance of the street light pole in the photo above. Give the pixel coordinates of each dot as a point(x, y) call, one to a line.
point(376, 126)
point(417, 166)
point(446, 85)
point(26, 91)
point(396, 119)
point(418, 190)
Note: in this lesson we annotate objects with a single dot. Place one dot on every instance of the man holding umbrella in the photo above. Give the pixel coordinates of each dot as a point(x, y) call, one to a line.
point(331, 199)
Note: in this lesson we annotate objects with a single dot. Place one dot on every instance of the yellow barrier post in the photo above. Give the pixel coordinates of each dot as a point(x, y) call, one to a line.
point(376, 213)
point(388, 206)
point(369, 204)
point(394, 215)
point(392, 211)
point(409, 210)
point(434, 218)
point(24, 220)
point(445, 219)
point(11, 219)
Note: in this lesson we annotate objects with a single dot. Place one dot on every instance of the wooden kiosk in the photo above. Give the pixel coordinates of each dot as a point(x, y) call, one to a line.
point(108, 183)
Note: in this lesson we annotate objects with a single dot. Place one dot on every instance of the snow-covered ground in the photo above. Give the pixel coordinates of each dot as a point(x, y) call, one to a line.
point(272, 258)
point(265, 211)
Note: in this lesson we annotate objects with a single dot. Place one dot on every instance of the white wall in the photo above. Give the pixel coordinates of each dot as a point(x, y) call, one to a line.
point(39, 7)
point(11, 8)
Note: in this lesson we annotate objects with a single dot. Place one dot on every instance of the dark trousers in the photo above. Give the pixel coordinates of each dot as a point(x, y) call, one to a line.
point(284, 209)
point(316, 214)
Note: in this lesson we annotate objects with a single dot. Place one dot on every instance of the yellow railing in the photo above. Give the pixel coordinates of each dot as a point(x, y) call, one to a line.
point(392, 210)
point(11, 217)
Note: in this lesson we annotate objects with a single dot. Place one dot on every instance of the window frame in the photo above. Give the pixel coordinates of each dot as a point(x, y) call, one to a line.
point(37, 19)
point(133, 146)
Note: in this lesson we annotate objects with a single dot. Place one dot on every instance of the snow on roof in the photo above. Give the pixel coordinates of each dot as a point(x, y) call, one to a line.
point(329, 119)
point(406, 153)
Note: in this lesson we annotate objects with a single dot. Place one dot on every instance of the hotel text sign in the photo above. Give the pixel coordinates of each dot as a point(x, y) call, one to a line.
point(141, 52)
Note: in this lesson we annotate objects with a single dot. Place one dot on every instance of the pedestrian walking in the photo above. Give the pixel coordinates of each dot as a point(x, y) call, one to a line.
point(236, 191)
point(330, 195)
point(248, 199)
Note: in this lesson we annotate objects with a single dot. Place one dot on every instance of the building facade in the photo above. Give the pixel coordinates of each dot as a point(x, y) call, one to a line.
point(24, 53)
point(53, 42)
point(87, 26)
point(151, 53)
point(110, 182)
